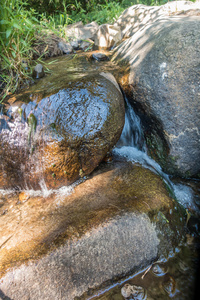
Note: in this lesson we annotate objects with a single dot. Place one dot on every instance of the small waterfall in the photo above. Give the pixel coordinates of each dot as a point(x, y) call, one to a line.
point(132, 147)
point(131, 144)
point(132, 134)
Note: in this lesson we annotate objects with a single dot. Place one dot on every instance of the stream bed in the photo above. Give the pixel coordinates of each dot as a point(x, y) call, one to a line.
point(173, 275)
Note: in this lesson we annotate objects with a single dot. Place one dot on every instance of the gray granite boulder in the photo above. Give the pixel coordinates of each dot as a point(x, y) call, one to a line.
point(137, 16)
point(161, 63)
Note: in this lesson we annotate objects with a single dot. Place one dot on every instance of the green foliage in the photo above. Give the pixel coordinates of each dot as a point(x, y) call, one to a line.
point(105, 12)
point(17, 32)
point(19, 27)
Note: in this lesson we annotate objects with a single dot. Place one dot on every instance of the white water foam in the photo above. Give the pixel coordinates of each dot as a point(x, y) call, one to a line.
point(134, 155)
point(44, 192)
point(131, 146)
point(184, 194)
point(6, 192)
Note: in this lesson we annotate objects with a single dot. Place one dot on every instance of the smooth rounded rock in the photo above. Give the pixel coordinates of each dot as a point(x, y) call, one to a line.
point(99, 56)
point(161, 76)
point(79, 237)
point(61, 137)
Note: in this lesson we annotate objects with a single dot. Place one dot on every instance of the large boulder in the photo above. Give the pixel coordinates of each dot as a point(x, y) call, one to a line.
point(107, 36)
point(119, 220)
point(78, 31)
point(161, 64)
point(63, 136)
point(137, 16)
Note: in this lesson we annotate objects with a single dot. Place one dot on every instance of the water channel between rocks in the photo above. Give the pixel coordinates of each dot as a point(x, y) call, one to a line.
point(173, 276)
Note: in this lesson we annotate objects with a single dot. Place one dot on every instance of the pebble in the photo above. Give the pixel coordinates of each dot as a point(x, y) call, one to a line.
point(75, 45)
point(23, 197)
point(66, 48)
point(135, 291)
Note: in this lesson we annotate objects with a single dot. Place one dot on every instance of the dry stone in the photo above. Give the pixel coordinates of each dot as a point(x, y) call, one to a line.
point(137, 16)
point(108, 36)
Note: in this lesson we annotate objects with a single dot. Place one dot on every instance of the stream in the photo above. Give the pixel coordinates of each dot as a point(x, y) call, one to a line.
point(172, 278)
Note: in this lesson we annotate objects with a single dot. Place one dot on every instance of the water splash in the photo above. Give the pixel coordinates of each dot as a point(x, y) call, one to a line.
point(44, 191)
point(185, 196)
point(132, 147)
point(60, 193)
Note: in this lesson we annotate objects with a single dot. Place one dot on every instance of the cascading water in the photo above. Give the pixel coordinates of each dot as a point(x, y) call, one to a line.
point(132, 134)
point(131, 144)
point(132, 147)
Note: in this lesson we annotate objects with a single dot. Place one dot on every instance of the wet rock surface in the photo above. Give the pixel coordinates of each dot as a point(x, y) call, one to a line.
point(99, 56)
point(63, 136)
point(161, 63)
point(77, 239)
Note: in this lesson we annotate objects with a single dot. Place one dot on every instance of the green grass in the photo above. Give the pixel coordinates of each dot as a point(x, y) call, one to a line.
point(19, 28)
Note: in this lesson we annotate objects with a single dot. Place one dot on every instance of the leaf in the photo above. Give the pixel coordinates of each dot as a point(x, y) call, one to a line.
point(4, 22)
point(14, 46)
point(188, 216)
point(13, 54)
point(6, 59)
point(51, 62)
point(46, 48)
point(8, 32)
point(34, 19)
point(17, 26)
point(28, 22)
point(164, 218)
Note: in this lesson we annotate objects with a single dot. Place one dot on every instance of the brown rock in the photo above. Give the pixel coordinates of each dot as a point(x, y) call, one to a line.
point(70, 130)
point(23, 196)
point(102, 227)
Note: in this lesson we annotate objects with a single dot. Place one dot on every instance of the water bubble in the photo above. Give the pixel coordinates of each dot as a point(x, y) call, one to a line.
point(159, 269)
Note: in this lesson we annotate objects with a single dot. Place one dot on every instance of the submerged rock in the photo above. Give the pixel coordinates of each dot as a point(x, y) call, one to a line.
point(78, 238)
point(161, 63)
point(99, 56)
point(133, 291)
point(58, 136)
